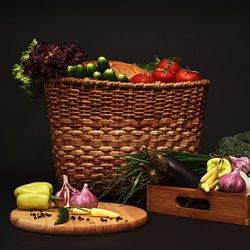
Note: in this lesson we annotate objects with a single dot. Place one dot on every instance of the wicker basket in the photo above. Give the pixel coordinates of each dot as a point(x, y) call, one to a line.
point(93, 120)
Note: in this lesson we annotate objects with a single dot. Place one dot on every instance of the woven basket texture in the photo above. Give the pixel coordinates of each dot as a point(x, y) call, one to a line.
point(91, 121)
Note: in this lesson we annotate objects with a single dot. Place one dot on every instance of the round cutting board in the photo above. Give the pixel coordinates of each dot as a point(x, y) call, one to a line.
point(132, 217)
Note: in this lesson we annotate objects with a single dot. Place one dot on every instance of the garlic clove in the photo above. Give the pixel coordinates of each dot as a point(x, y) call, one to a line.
point(242, 163)
point(84, 199)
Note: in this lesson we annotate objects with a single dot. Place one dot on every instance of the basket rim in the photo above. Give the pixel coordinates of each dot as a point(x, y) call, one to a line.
point(88, 82)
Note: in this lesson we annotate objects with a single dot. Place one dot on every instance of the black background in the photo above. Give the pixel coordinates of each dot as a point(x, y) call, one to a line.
point(212, 37)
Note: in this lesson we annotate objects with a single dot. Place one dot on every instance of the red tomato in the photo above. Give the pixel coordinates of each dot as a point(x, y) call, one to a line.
point(142, 78)
point(184, 75)
point(164, 75)
point(165, 63)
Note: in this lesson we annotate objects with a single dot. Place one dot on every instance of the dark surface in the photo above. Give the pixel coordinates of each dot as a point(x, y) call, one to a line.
point(212, 38)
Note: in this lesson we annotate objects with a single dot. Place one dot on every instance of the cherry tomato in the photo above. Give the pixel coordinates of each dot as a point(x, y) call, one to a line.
point(166, 63)
point(164, 75)
point(142, 78)
point(184, 75)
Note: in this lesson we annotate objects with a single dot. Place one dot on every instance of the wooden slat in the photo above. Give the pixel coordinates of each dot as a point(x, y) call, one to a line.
point(224, 207)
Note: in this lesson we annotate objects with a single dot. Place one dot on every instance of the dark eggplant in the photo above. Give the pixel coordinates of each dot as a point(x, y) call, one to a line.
point(174, 172)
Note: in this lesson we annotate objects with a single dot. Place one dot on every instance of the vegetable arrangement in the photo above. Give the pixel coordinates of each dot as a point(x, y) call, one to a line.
point(225, 173)
point(181, 169)
point(166, 70)
point(100, 71)
point(42, 61)
point(68, 200)
point(166, 167)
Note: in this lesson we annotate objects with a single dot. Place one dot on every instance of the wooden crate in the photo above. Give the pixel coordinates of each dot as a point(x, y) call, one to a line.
point(223, 207)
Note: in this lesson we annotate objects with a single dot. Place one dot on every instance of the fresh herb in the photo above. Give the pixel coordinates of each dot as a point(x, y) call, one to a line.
point(138, 171)
point(236, 145)
point(151, 66)
point(63, 216)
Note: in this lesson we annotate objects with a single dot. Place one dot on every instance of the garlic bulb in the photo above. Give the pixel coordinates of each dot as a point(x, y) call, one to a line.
point(232, 182)
point(65, 193)
point(84, 199)
point(242, 163)
point(247, 181)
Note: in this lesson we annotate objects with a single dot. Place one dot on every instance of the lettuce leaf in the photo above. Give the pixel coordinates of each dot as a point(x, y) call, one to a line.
point(42, 61)
point(26, 54)
point(18, 71)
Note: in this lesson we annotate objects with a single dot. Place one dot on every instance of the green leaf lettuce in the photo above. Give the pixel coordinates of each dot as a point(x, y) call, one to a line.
point(18, 71)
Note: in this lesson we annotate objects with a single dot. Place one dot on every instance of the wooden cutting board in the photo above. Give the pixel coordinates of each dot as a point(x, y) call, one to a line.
point(132, 217)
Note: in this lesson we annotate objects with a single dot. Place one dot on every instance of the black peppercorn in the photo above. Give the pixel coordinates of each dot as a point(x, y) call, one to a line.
point(73, 217)
point(118, 218)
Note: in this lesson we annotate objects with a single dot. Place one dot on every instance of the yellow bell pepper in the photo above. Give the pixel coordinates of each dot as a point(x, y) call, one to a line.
point(35, 195)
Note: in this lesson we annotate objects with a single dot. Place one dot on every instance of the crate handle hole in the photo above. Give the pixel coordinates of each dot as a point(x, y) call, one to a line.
point(196, 203)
